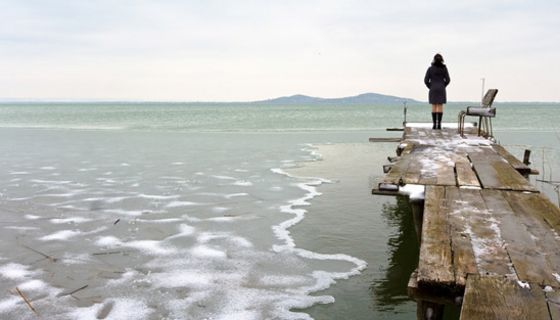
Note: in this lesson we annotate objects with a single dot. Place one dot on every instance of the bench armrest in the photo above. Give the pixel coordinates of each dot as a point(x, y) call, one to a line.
point(481, 112)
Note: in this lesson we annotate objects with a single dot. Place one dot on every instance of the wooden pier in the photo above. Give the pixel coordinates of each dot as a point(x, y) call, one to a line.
point(489, 240)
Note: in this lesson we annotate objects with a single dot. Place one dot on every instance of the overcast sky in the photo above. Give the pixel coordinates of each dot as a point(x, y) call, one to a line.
point(205, 50)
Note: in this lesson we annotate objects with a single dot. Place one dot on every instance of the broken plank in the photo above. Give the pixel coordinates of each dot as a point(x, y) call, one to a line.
point(465, 174)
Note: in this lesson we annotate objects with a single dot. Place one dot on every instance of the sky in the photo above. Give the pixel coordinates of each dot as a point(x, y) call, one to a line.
point(243, 50)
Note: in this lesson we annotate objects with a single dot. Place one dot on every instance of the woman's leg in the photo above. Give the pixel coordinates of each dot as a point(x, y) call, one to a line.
point(434, 115)
point(439, 115)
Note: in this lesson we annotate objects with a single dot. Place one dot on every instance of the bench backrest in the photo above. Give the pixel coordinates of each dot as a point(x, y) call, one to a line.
point(489, 97)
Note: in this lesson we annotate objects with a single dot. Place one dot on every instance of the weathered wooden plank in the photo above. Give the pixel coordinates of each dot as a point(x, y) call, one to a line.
point(466, 175)
point(464, 261)
point(540, 206)
point(435, 266)
point(488, 245)
point(398, 170)
point(446, 175)
point(526, 255)
point(522, 168)
point(413, 172)
point(494, 172)
point(500, 298)
point(535, 250)
point(553, 300)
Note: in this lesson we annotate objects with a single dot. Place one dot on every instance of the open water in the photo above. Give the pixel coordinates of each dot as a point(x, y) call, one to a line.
point(176, 211)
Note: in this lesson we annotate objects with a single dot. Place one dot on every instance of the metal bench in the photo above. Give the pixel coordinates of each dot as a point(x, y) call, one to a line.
point(485, 112)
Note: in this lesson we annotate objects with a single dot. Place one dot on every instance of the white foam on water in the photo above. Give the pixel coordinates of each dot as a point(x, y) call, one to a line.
point(207, 252)
point(60, 235)
point(177, 204)
point(106, 199)
point(123, 309)
point(220, 209)
point(9, 304)
point(242, 183)
point(47, 168)
point(19, 172)
point(31, 217)
point(234, 195)
point(168, 220)
point(222, 219)
point(241, 170)
point(284, 281)
point(69, 258)
point(158, 197)
point(50, 182)
point(323, 279)
point(108, 241)
point(219, 177)
point(132, 213)
point(70, 220)
point(86, 169)
point(150, 247)
point(183, 278)
point(21, 228)
point(178, 163)
point(33, 285)
point(16, 271)
point(184, 231)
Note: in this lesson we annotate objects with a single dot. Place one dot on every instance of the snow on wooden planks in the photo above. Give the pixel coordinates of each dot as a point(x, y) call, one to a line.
point(442, 157)
point(508, 233)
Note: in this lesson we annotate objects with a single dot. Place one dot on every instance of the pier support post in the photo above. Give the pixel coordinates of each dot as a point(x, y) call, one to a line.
point(418, 217)
point(428, 310)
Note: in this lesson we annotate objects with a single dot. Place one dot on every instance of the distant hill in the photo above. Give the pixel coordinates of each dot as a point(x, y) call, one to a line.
point(362, 99)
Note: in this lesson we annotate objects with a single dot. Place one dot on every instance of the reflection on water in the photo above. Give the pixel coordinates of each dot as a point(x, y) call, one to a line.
point(391, 290)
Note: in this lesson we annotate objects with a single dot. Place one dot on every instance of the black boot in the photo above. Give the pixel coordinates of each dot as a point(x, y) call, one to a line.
point(434, 120)
point(439, 116)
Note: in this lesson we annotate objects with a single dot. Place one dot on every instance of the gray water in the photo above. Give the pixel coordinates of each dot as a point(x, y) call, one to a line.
point(175, 211)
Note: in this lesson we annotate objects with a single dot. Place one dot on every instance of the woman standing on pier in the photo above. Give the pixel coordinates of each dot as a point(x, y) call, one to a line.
point(437, 79)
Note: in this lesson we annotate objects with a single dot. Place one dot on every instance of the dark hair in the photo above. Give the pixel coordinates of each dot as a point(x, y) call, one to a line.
point(438, 60)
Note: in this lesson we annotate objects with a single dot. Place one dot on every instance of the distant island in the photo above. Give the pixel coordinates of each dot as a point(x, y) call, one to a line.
point(362, 99)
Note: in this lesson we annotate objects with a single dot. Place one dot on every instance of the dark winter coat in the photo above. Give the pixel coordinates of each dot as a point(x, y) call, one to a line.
point(436, 79)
